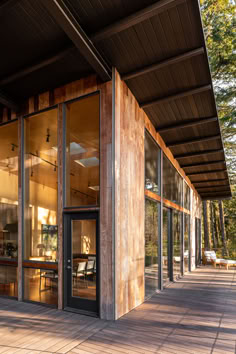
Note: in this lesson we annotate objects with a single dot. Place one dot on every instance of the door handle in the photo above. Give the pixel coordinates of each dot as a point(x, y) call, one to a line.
point(68, 267)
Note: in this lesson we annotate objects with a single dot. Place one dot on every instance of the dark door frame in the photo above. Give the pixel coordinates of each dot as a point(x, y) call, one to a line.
point(78, 304)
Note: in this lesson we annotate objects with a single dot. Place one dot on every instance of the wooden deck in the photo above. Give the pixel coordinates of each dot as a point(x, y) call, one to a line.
point(197, 314)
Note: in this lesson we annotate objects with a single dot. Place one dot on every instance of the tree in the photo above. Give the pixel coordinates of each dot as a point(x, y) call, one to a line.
point(206, 231)
point(219, 23)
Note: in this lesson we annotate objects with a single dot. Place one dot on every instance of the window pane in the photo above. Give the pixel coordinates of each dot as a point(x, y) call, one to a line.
point(151, 247)
point(82, 152)
point(40, 189)
point(41, 285)
point(172, 183)
point(8, 280)
point(186, 196)
point(151, 165)
point(186, 241)
point(176, 243)
point(166, 240)
point(9, 191)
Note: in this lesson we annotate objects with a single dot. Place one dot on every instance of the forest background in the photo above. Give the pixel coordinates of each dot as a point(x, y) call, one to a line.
point(219, 23)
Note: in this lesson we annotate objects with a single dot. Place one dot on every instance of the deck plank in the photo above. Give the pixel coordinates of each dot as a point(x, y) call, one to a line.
point(196, 314)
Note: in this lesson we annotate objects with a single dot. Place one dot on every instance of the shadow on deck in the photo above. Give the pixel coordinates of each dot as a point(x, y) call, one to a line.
point(197, 314)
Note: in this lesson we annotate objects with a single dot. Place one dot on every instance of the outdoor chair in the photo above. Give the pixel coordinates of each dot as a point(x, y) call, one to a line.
point(210, 257)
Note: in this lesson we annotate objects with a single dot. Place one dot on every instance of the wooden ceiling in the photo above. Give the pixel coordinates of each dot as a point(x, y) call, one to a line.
point(157, 46)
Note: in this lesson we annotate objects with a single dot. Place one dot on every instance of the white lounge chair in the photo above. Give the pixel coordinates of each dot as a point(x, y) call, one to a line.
point(210, 257)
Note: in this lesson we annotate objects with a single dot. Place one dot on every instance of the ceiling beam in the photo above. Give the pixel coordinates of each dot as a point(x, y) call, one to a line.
point(135, 18)
point(210, 187)
point(8, 102)
point(214, 192)
point(227, 197)
point(203, 164)
point(186, 124)
point(198, 153)
point(193, 141)
point(162, 64)
point(6, 5)
point(64, 18)
point(175, 96)
point(28, 70)
point(209, 181)
point(206, 172)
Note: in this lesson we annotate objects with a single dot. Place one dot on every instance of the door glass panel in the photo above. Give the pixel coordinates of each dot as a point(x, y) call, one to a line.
point(84, 259)
point(186, 242)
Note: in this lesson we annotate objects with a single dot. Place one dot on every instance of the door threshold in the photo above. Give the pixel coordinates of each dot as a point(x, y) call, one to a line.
point(81, 312)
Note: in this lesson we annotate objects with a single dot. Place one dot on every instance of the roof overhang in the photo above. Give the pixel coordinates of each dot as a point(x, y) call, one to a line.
point(158, 48)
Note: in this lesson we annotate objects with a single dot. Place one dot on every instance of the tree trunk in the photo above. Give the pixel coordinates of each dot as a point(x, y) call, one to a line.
point(222, 224)
point(212, 226)
point(205, 221)
point(215, 225)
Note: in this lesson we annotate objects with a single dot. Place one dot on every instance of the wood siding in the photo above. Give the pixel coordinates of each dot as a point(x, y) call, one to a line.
point(129, 200)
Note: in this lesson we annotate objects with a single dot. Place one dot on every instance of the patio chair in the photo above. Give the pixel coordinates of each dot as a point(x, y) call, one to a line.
point(210, 257)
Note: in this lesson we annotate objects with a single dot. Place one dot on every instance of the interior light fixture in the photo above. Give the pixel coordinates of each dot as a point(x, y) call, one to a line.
point(94, 188)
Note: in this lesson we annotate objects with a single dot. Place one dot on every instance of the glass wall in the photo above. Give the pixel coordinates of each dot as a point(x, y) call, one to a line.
point(82, 152)
point(40, 285)
point(40, 187)
point(8, 208)
point(40, 206)
point(186, 196)
point(176, 237)
point(172, 183)
point(166, 244)
point(186, 241)
point(151, 247)
point(151, 165)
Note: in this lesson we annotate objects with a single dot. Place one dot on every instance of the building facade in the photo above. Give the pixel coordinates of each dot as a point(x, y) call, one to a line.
point(101, 181)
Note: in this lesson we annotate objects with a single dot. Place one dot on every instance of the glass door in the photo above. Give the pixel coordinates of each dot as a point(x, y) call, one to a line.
point(81, 261)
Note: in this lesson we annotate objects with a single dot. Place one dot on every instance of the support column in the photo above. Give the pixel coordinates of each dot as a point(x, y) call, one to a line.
point(60, 205)
point(160, 224)
point(20, 206)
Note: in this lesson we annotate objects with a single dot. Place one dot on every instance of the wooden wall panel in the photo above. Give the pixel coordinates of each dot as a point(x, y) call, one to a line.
point(129, 200)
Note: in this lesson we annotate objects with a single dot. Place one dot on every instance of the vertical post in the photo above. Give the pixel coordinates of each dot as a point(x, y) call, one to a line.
point(60, 205)
point(20, 206)
point(190, 233)
point(160, 223)
point(182, 231)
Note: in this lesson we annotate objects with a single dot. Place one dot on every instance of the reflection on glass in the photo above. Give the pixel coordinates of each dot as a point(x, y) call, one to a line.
point(41, 285)
point(9, 191)
point(82, 152)
point(40, 212)
point(151, 247)
point(176, 243)
point(172, 183)
point(186, 241)
point(186, 196)
point(151, 165)
point(84, 259)
point(166, 237)
point(8, 280)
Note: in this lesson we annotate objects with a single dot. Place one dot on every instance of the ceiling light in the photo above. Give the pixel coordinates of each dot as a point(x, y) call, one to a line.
point(94, 188)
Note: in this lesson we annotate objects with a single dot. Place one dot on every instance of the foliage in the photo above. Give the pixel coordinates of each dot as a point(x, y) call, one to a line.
point(219, 22)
